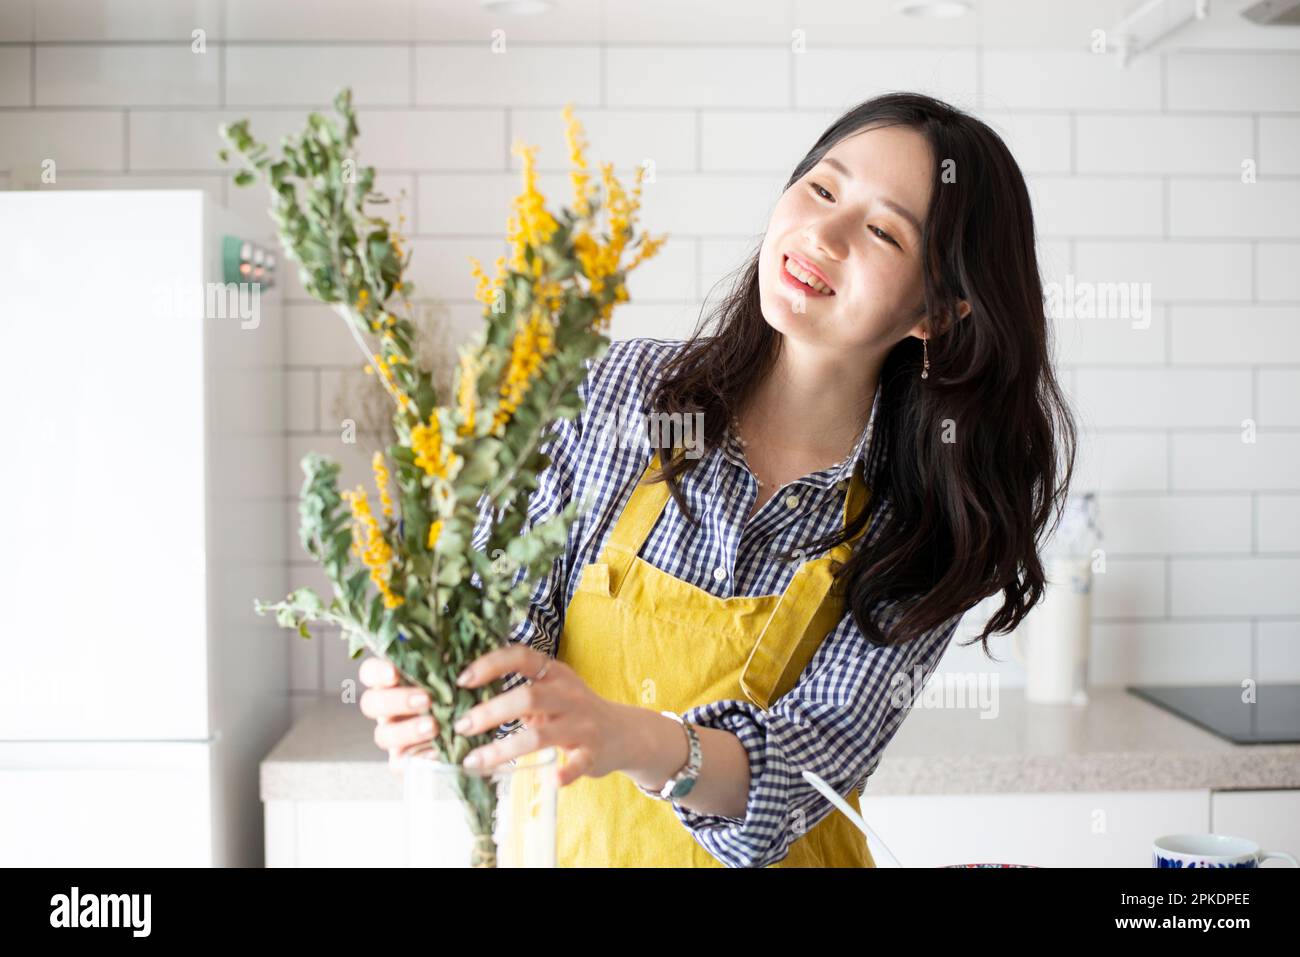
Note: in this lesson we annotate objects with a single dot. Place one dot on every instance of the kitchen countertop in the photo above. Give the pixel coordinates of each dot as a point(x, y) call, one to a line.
point(1117, 742)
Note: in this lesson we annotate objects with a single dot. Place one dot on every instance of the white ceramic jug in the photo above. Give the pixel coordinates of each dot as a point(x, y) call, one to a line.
point(1052, 642)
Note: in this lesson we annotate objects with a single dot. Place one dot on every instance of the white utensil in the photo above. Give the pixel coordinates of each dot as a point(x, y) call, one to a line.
point(879, 852)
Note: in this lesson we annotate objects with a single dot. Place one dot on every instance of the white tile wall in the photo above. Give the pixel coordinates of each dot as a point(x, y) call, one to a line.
point(506, 77)
point(126, 75)
point(1263, 82)
point(15, 76)
point(1191, 426)
point(276, 75)
point(124, 20)
point(1068, 80)
point(1163, 144)
point(839, 78)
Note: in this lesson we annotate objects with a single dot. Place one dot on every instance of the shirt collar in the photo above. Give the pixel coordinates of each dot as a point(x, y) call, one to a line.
point(832, 475)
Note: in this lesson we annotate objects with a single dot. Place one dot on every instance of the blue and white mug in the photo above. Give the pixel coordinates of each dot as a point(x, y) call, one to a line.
point(1211, 850)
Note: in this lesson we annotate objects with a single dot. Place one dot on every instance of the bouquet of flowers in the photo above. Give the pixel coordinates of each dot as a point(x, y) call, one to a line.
point(407, 584)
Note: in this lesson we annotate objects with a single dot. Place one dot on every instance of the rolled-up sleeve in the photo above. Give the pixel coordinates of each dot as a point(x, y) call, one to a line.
point(835, 722)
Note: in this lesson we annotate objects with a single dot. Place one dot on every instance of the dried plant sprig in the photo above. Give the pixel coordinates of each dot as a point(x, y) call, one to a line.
point(407, 583)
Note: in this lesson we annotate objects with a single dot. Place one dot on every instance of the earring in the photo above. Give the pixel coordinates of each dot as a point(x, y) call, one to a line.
point(925, 346)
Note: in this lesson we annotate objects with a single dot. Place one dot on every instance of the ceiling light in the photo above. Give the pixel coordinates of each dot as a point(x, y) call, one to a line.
point(517, 6)
point(933, 9)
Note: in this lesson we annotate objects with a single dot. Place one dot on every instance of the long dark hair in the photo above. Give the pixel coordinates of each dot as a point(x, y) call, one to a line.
point(967, 505)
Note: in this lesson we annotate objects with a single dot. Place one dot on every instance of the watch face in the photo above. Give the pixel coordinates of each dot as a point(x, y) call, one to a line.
point(683, 788)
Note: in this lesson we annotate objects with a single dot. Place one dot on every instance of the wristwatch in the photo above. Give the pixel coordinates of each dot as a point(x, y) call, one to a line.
point(680, 784)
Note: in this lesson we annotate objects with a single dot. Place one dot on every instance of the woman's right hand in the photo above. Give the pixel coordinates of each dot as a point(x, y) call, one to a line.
point(401, 710)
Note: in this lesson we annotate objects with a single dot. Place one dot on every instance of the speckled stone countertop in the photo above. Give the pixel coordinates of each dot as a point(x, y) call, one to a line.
point(1117, 742)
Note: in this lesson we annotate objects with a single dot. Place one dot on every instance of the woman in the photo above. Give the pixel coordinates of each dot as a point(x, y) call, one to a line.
point(880, 454)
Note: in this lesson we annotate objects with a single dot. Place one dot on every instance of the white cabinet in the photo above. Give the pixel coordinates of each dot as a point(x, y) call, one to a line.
point(366, 833)
point(118, 804)
point(1269, 818)
point(1056, 829)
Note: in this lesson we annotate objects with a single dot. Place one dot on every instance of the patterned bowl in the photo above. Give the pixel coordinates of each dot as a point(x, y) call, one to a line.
point(988, 865)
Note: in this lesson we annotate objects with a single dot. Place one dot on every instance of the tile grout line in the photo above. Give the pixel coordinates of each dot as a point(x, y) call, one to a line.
point(1254, 522)
point(415, 205)
point(1164, 82)
point(1254, 271)
point(1169, 461)
point(1254, 647)
point(221, 74)
point(1164, 206)
point(1169, 587)
point(789, 62)
point(1074, 143)
point(699, 142)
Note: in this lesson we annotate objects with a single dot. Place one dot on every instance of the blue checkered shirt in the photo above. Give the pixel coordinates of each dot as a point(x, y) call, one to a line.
point(842, 711)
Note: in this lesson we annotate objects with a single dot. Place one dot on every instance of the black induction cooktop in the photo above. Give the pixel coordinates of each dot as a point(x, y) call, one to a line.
point(1272, 718)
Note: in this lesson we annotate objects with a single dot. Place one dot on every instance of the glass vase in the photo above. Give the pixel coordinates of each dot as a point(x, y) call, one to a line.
point(460, 817)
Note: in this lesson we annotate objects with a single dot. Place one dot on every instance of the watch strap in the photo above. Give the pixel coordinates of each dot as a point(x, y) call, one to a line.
point(681, 783)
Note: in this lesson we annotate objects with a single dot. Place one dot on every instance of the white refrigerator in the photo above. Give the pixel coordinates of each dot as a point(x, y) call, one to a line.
point(143, 486)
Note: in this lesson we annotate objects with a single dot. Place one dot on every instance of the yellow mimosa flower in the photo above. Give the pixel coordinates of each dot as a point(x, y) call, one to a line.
point(532, 343)
point(426, 443)
point(580, 178)
point(384, 368)
point(376, 554)
point(535, 225)
point(467, 391)
point(381, 482)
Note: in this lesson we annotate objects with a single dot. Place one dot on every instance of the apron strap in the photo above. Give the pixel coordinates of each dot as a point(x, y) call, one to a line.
point(633, 527)
point(854, 501)
point(810, 607)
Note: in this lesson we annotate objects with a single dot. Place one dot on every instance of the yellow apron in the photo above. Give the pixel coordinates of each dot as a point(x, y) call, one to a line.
point(640, 636)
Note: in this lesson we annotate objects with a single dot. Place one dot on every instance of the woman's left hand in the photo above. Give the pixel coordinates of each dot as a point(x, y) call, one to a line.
point(557, 710)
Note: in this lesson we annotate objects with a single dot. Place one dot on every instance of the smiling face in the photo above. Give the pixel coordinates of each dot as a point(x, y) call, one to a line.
point(852, 221)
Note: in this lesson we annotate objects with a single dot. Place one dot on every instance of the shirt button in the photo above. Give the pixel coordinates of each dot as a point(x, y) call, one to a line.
point(791, 501)
point(842, 484)
point(719, 574)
